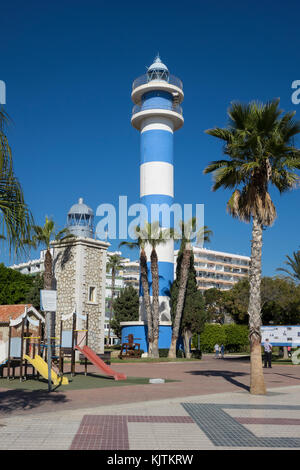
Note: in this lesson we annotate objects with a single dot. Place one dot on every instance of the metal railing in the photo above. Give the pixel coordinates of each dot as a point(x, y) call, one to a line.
point(175, 108)
point(143, 79)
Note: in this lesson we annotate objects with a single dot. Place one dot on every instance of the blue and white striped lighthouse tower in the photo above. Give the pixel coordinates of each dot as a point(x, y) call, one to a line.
point(157, 114)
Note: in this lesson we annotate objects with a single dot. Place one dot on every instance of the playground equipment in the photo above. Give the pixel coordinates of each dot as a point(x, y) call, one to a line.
point(97, 361)
point(42, 367)
point(73, 339)
point(24, 349)
point(69, 338)
point(21, 341)
point(131, 348)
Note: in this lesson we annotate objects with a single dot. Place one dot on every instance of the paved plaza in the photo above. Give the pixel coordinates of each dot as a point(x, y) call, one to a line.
point(206, 406)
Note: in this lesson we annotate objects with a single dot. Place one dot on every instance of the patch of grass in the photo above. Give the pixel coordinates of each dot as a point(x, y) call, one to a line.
point(147, 359)
point(78, 382)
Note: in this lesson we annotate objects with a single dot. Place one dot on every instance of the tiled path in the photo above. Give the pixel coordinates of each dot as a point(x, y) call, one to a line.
point(232, 419)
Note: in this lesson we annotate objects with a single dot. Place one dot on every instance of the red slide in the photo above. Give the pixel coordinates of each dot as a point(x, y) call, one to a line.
point(94, 359)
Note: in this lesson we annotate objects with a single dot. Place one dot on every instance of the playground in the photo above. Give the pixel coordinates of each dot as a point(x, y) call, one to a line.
point(27, 353)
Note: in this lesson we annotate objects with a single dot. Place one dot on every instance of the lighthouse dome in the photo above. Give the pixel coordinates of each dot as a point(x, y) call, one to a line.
point(158, 65)
point(158, 70)
point(80, 220)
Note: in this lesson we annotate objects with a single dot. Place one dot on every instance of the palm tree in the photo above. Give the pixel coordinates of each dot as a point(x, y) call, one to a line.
point(114, 265)
point(260, 150)
point(186, 231)
point(140, 243)
point(15, 217)
point(294, 264)
point(151, 234)
point(155, 236)
point(43, 235)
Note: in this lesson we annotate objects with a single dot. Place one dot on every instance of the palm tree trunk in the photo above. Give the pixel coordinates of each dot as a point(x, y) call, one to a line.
point(147, 302)
point(50, 316)
point(48, 280)
point(48, 270)
point(155, 301)
point(187, 335)
point(257, 384)
point(113, 274)
point(184, 272)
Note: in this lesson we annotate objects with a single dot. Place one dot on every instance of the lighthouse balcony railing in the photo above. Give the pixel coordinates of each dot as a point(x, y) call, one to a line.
point(175, 108)
point(144, 79)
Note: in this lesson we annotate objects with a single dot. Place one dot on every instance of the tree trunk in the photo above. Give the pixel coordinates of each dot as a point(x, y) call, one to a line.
point(184, 273)
point(147, 302)
point(113, 274)
point(187, 335)
point(257, 383)
point(155, 301)
point(48, 280)
point(48, 270)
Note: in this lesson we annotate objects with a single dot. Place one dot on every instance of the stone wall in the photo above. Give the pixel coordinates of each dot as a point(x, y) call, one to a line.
point(80, 264)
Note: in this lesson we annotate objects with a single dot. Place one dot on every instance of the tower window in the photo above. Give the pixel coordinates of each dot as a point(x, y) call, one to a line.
point(92, 294)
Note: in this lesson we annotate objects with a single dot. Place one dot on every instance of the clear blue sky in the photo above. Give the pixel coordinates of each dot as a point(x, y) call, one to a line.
point(69, 66)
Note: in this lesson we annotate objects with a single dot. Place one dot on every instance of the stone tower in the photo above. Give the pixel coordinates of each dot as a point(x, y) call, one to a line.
point(80, 273)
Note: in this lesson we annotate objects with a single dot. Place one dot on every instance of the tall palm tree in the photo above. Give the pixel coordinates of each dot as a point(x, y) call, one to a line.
point(294, 264)
point(114, 265)
point(151, 235)
point(187, 233)
point(140, 244)
point(259, 144)
point(15, 217)
point(155, 236)
point(43, 235)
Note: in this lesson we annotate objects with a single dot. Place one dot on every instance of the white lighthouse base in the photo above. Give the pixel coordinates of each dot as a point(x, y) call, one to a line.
point(164, 309)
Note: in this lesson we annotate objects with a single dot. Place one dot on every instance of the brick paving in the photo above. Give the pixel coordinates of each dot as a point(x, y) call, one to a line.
point(209, 407)
point(195, 378)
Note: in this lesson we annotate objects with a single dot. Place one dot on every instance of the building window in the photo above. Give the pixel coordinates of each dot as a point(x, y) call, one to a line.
point(92, 294)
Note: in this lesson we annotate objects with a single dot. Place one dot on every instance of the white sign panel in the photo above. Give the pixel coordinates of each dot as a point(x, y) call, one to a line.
point(280, 335)
point(48, 300)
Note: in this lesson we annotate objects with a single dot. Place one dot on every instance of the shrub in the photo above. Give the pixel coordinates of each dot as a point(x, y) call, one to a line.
point(236, 337)
point(180, 353)
point(163, 352)
point(213, 333)
point(196, 354)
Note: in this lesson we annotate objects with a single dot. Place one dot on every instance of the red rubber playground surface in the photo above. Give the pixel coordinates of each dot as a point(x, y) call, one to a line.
point(208, 376)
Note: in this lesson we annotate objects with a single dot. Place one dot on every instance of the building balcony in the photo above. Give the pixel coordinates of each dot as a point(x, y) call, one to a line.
point(171, 111)
point(145, 79)
point(144, 85)
point(174, 108)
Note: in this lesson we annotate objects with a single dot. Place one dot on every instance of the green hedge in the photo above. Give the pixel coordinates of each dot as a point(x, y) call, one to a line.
point(234, 337)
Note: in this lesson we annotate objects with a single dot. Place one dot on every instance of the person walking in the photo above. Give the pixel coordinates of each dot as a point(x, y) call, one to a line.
point(268, 353)
point(222, 350)
point(217, 348)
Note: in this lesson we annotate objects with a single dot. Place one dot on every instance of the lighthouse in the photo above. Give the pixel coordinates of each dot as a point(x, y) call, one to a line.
point(157, 114)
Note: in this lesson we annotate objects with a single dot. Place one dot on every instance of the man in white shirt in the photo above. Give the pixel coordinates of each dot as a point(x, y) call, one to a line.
point(216, 348)
point(268, 353)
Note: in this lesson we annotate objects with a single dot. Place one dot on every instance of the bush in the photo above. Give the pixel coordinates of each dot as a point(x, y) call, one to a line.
point(163, 352)
point(234, 337)
point(180, 353)
point(196, 354)
point(213, 333)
